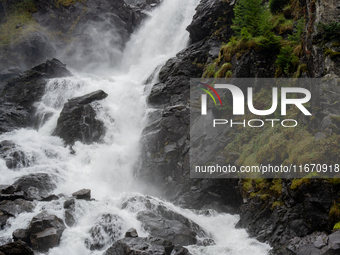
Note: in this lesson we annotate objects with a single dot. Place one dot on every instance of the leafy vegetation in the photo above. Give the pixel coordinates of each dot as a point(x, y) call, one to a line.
point(286, 61)
point(249, 17)
point(327, 32)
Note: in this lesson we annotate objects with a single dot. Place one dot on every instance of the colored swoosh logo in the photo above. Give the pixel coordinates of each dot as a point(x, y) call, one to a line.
point(213, 90)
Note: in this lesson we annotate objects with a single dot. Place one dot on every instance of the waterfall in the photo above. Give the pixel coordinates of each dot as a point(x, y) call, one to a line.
point(107, 168)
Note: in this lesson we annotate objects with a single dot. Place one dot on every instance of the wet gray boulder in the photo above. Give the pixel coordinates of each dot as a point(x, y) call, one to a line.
point(18, 94)
point(69, 218)
point(132, 232)
point(16, 248)
point(162, 222)
point(69, 206)
point(170, 229)
point(145, 245)
point(12, 192)
point(107, 229)
point(45, 231)
point(77, 120)
point(10, 209)
point(36, 185)
point(82, 194)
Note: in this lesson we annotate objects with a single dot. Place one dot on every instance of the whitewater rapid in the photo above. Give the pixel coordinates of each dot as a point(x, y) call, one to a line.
point(107, 168)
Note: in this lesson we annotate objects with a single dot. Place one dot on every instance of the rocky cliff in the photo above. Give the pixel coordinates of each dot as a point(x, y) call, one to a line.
point(296, 216)
point(281, 212)
point(80, 33)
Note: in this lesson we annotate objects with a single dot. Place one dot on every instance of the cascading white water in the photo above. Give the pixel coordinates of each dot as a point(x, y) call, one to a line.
point(107, 169)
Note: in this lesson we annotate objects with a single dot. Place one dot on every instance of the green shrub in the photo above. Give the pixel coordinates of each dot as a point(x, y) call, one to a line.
point(209, 71)
point(327, 32)
point(276, 6)
point(249, 16)
point(286, 61)
point(270, 42)
point(296, 37)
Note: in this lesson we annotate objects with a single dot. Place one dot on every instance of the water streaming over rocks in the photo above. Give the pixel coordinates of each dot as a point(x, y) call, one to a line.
point(39, 163)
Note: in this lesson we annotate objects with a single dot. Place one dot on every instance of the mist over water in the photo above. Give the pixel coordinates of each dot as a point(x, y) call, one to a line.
point(107, 168)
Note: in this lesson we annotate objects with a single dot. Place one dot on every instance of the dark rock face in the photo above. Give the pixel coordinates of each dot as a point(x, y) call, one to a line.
point(166, 137)
point(148, 246)
point(203, 23)
point(45, 231)
point(82, 32)
point(36, 185)
point(109, 227)
point(34, 49)
point(19, 94)
point(16, 248)
point(92, 31)
point(161, 222)
point(304, 211)
point(316, 243)
point(254, 64)
point(77, 121)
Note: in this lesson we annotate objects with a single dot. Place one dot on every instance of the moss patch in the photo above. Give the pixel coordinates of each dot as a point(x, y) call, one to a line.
point(331, 53)
point(336, 226)
point(296, 183)
point(334, 213)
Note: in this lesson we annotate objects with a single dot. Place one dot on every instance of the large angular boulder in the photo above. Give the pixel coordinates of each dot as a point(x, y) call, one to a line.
point(82, 194)
point(77, 120)
point(45, 231)
point(162, 222)
point(170, 229)
point(107, 228)
point(36, 185)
